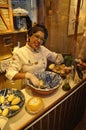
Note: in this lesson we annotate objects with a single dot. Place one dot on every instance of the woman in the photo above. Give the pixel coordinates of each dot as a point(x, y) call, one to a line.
point(32, 57)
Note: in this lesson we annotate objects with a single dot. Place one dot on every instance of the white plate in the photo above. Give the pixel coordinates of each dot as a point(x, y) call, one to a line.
point(3, 122)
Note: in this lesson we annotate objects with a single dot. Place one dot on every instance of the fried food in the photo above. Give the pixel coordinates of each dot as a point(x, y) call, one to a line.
point(14, 107)
point(60, 69)
point(0, 111)
point(10, 97)
point(15, 101)
point(5, 112)
point(51, 66)
point(2, 99)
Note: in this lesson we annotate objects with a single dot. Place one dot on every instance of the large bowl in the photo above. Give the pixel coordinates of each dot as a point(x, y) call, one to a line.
point(51, 82)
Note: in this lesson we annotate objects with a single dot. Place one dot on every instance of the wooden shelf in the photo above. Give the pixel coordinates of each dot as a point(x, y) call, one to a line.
point(20, 31)
point(6, 17)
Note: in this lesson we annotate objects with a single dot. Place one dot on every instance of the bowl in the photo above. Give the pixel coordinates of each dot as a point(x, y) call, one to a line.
point(51, 82)
point(34, 105)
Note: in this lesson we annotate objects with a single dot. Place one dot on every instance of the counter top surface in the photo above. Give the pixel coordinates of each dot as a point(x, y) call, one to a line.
point(23, 118)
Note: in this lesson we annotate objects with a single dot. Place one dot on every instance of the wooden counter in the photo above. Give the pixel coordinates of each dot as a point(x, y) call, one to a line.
point(61, 112)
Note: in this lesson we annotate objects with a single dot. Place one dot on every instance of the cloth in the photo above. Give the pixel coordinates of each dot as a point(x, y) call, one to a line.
point(25, 59)
point(20, 12)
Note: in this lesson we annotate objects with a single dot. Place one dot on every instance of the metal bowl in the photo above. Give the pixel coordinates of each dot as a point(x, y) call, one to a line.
point(51, 82)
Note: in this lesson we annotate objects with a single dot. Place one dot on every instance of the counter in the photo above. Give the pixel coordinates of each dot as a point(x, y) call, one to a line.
point(61, 112)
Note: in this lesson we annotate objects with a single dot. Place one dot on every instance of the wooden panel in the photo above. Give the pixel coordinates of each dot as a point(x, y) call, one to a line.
point(6, 20)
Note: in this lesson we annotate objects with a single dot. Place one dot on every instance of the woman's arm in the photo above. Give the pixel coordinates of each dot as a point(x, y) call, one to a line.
point(27, 75)
point(82, 63)
point(19, 76)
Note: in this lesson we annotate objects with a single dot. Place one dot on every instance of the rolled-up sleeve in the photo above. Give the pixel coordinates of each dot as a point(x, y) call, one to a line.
point(53, 56)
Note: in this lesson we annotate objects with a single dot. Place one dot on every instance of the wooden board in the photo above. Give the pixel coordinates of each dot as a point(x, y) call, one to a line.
point(6, 18)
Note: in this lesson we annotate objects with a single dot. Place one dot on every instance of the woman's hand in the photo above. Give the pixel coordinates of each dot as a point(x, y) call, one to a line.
point(35, 81)
point(59, 59)
point(82, 64)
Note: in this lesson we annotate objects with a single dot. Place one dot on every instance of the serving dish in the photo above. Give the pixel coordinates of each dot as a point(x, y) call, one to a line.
point(62, 69)
point(12, 107)
point(51, 81)
point(34, 105)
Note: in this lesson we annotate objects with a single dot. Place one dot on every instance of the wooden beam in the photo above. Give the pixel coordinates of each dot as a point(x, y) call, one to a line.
point(77, 19)
point(3, 19)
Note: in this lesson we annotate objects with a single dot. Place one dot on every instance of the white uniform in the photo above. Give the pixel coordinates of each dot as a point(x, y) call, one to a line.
point(25, 59)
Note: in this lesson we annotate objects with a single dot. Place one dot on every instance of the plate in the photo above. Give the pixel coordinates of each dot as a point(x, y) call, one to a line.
point(5, 104)
point(51, 81)
point(3, 122)
point(62, 70)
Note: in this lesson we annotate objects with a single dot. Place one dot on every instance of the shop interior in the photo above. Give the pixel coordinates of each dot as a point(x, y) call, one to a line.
point(66, 24)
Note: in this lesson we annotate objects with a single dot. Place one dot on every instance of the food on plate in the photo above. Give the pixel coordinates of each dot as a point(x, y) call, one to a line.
point(2, 99)
point(34, 105)
point(61, 69)
point(5, 112)
point(15, 101)
point(14, 107)
point(11, 102)
point(0, 111)
point(11, 97)
point(51, 66)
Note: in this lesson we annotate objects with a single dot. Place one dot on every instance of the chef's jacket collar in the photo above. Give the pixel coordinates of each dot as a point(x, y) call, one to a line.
point(37, 50)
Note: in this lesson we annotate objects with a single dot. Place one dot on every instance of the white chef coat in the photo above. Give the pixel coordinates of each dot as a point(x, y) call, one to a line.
point(25, 59)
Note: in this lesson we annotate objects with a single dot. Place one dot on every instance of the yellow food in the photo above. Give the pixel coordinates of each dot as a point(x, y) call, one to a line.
point(0, 111)
point(34, 105)
point(2, 99)
point(15, 101)
point(14, 107)
point(41, 83)
point(51, 66)
point(5, 112)
point(11, 97)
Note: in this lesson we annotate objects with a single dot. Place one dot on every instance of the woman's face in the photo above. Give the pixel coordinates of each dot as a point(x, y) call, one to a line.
point(36, 40)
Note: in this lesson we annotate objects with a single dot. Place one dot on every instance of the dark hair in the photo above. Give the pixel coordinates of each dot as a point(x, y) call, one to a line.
point(29, 22)
point(39, 27)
